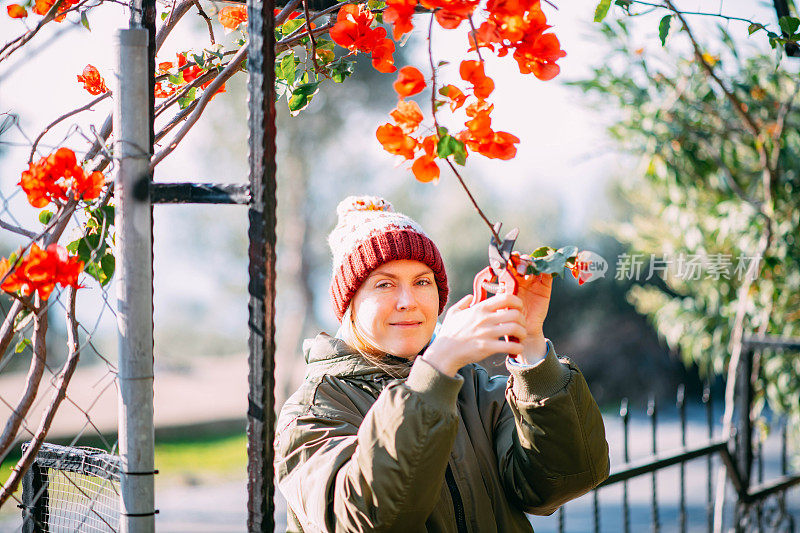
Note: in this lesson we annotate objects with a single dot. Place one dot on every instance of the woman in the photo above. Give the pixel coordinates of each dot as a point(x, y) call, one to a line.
point(396, 428)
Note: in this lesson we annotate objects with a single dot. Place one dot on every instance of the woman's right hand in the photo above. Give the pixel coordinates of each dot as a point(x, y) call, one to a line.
point(471, 334)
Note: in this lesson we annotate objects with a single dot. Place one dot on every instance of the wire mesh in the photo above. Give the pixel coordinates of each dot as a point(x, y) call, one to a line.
point(58, 374)
point(72, 489)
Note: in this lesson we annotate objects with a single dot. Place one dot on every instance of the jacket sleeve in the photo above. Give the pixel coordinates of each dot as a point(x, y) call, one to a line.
point(549, 435)
point(384, 472)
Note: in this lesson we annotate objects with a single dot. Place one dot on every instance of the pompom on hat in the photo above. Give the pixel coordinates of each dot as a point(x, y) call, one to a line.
point(370, 233)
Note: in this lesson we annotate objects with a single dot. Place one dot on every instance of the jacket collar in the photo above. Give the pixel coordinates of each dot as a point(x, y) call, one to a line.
point(326, 355)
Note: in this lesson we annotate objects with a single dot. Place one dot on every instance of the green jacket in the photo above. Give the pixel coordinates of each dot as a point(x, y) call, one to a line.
point(357, 450)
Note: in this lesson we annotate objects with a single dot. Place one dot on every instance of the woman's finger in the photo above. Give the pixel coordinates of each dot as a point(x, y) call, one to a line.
point(506, 315)
point(462, 304)
point(502, 300)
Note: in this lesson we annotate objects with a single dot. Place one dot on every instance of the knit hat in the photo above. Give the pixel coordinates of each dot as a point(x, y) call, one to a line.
point(370, 233)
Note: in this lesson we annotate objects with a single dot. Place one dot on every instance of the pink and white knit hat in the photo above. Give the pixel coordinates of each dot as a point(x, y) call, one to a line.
point(370, 233)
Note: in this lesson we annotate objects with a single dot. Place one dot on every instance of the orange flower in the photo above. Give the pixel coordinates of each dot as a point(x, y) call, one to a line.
point(399, 13)
point(352, 29)
point(395, 141)
point(480, 126)
point(52, 178)
point(92, 81)
point(539, 55)
point(16, 11)
point(231, 16)
point(409, 82)
point(457, 98)
point(382, 55)
point(43, 6)
point(425, 169)
point(166, 65)
point(161, 92)
point(502, 146)
point(190, 73)
point(472, 71)
point(450, 13)
point(40, 270)
point(408, 115)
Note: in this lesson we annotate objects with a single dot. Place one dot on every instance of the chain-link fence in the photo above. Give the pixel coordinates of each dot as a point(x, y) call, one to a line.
point(58, 372)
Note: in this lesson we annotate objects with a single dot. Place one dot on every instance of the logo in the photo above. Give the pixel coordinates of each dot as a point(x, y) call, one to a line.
point(589, 266)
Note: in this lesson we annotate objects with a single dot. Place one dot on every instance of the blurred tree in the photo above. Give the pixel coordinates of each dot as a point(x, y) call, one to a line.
point(716, 209)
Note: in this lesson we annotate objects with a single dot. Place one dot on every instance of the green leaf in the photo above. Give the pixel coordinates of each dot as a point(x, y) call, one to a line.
point(200, 60)
point(663, 28)
point(542, 251)
point(164, 15)
point(108, 264)
point(85, 20)
point(301, 97)
point(442, 63)
point(73, 246)
point(45, 216)
point(21, 345)
point(288, 68)
point(176, 80)
point(375, 4)
point(291, 25)
point(188, 99)
point(340, 69)
point(754, 27)
point(789, 25)
point(449, 145)
point(601, 10)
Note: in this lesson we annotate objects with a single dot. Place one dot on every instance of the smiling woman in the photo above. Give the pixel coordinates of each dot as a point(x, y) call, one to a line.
point(397, 426)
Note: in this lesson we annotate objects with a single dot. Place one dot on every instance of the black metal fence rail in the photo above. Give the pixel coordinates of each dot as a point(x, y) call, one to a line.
point(758, 506)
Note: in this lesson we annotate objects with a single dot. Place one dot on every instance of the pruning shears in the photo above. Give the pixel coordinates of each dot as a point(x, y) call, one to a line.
point(501, 274)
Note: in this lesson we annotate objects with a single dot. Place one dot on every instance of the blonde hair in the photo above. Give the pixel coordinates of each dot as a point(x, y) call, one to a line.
point(358, 340)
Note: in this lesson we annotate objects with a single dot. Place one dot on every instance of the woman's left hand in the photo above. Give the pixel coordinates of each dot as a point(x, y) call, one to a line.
point(535, 294)
point(534, 291)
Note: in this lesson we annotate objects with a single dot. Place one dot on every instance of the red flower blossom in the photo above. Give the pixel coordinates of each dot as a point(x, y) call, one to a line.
point(231, 16)
point(409, 82)
point(457, 98)
point(472, 71)
point(408, 115)
point(395, 141)
point(450, 13)
point(43, 6)
point(353, 31)
point(92, 81)
point(425, 168)
point(40, 270)
point(57, 177)
point(539, 55)
point(399, 13)
point(16, 11)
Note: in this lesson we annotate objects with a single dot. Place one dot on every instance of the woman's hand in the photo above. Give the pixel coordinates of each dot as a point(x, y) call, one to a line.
point(471, 334)
point(534, 291)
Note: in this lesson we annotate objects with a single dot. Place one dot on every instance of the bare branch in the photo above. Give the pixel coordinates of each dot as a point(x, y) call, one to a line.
point(698, 13)
point(475, 38)
point(64, 117)
point(18, 230)
point(32, 381)
point(64, 377)
point(15, 44)
point(311, 37)
point(230, 70)
point(172, 20)
point(208, 21)
point(436, 126)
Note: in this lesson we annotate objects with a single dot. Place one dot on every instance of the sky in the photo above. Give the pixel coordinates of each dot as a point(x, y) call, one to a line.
point(564, 151)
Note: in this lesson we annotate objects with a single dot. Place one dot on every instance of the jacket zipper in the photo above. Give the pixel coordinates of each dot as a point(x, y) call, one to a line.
point(461, 522)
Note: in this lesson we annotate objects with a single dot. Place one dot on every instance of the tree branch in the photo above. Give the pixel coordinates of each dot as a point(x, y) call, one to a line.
point(15, 44)
point(436, 125)
point(64, 117)
point(63, 379)
point(229, 71)
point(208, 21)
point(18, 230)
point(32, 381)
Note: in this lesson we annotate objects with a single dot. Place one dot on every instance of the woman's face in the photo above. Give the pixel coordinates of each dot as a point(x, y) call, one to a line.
point(397, 306)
